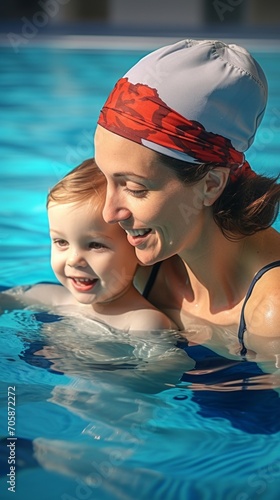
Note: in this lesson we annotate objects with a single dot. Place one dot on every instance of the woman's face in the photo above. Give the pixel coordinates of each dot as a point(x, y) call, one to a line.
point(161, 215)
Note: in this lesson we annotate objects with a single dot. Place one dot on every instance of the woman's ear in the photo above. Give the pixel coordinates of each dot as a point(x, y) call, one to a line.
point(214, 184)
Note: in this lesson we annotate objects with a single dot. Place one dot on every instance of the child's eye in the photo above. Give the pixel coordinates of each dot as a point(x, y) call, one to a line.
point(96, 245)
point(61, 243)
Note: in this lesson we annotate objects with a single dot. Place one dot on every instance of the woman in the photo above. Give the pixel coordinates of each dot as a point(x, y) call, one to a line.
point(170, 140)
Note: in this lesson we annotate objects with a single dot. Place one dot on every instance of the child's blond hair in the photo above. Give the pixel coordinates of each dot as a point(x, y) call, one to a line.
point(84, 182)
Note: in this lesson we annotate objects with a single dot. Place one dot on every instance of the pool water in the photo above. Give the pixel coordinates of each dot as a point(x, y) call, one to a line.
point(97, 413)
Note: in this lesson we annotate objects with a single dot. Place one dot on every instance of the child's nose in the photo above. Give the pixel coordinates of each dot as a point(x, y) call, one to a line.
point(76, 259)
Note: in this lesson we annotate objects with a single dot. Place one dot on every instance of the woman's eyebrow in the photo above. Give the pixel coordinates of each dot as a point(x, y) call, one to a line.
point(131, 174)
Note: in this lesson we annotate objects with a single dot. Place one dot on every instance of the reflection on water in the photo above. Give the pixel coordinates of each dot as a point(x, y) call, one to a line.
point(112, 415)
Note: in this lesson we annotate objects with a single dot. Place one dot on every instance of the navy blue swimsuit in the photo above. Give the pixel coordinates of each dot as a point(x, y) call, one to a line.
point(242, 324)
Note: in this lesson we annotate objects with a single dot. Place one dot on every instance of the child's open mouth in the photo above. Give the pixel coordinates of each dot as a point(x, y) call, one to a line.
point(83, 284)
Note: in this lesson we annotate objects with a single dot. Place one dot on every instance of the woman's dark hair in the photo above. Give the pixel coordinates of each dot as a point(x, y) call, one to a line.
point(246, 206)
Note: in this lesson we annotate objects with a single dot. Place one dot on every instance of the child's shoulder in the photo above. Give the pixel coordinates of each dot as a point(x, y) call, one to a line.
point(144, 316)
point(49, 294)
point(151, 319)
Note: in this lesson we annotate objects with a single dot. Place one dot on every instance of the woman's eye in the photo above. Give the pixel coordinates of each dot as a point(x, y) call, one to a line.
point(136, 192)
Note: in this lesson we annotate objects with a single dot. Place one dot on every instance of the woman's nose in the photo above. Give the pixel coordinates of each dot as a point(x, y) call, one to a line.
point(76, 259)
point(114, 210)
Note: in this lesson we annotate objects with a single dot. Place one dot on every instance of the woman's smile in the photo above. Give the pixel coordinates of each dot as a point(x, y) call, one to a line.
point(137, 236)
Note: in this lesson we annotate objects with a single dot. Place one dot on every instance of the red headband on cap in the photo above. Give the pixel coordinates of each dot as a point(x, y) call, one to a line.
point(136, 112)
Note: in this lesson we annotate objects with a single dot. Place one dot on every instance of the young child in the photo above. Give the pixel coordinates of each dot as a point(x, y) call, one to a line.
point(92, 259)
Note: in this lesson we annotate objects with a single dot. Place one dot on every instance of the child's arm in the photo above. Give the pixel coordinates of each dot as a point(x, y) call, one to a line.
point(43, 294)
point(8, 301)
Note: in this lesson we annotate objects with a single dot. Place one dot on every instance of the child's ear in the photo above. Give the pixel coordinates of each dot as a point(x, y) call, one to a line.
point(215, 182)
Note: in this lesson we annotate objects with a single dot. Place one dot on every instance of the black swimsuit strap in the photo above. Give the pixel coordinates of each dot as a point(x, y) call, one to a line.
point(151, 279)
point(242, 324)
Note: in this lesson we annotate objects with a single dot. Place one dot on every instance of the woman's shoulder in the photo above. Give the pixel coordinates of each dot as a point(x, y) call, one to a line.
point(262, 302)
point(262, 310)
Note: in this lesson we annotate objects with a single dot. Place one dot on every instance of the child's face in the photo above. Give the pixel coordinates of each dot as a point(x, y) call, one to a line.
point(91, 258)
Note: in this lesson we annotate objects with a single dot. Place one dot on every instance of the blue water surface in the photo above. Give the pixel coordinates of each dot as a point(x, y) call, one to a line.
point(50, 101)
point(102, 414)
